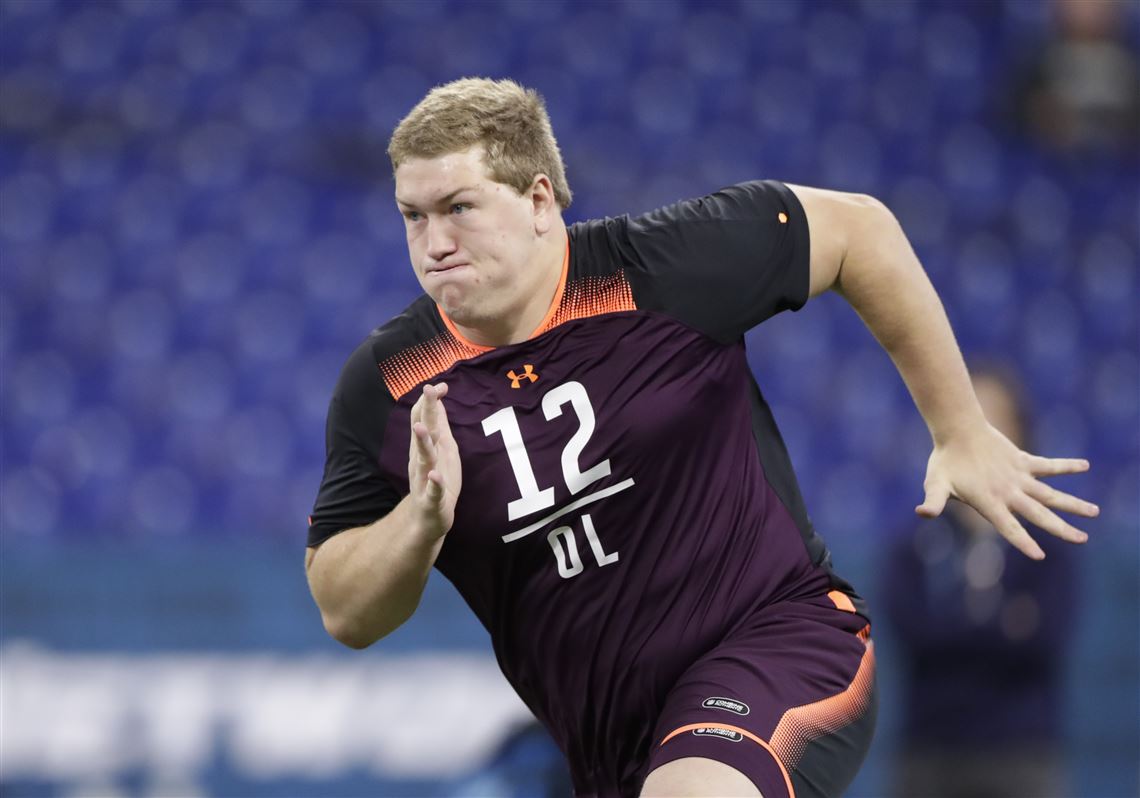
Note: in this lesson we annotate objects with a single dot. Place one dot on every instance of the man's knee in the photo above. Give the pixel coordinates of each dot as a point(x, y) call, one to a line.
point(697, 777)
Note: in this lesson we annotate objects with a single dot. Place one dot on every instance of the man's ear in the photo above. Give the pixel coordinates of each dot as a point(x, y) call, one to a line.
point(543, 203)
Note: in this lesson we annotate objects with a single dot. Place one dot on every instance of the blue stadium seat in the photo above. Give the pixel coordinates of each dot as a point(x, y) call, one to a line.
point(174, 195)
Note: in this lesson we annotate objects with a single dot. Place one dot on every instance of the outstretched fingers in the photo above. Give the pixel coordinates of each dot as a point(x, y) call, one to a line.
point(937, 494)
point(434, 471)
point(443, 425)
point(1055, 466)
point(424, 445)
point(1011, 529)
point(430, 434)
point(987, 472)
point(1043, 518)
point(427, 475)
point(432, 407)
point(1059, 500)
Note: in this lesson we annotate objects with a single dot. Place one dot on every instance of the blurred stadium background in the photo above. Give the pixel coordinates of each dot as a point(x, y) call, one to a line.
point(197, 227)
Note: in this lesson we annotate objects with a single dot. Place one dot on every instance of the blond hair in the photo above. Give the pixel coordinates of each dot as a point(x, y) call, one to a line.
point(508, 120)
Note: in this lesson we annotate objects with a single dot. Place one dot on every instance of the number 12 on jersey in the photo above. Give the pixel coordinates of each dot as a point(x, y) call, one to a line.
point(533, 499)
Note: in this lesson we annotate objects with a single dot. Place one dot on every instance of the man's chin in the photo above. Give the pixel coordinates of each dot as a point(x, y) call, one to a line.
point(461, 314)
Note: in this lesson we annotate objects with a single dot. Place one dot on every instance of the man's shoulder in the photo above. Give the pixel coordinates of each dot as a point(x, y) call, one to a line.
point(418, 322)
point(590, 231)
point(598, 246)
point(733, 202)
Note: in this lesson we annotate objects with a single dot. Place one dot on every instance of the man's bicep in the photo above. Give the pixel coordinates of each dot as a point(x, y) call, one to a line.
point(835, 219)
point(356, 488)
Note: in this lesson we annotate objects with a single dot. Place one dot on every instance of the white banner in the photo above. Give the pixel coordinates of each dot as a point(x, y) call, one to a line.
point(86, 717)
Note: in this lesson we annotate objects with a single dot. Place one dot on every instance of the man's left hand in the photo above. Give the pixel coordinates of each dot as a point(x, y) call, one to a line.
point(986, 471)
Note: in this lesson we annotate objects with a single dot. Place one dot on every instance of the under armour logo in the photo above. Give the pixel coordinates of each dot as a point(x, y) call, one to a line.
point(528, 374)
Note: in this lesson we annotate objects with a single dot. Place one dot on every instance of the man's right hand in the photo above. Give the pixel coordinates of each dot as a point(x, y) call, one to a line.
point(435, 474)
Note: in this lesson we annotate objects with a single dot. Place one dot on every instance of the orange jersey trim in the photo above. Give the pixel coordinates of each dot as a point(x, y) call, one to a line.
point(592, 296)
point(744, 732)
point(802, 724)
point(575, 299)
point(405, 370)
point(545, 324)
point(841, 600)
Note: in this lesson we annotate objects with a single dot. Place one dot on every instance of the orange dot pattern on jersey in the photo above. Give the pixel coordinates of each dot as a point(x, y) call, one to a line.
point(592, 296)
point(589, 296)
point(405, 370)
point(801, 725)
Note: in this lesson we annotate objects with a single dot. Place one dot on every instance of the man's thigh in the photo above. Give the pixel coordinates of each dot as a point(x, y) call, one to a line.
point(695, 777)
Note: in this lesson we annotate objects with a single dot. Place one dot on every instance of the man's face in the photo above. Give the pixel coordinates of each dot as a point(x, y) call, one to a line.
point(470, 239)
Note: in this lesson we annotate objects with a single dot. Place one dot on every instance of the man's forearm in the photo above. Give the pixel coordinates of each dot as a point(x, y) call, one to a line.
point(858, 249)
point(368, 581)
point(886, 285)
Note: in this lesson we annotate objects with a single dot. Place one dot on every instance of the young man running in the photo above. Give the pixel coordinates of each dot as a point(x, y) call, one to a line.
point(565, 425)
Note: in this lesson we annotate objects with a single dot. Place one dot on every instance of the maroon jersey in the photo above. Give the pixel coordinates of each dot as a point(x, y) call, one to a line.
point(627, 500)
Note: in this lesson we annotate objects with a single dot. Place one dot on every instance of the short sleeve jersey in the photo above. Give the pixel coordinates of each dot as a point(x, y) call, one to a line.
point(627, 499)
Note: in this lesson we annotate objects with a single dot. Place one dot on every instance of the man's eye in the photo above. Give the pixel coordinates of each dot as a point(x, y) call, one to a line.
point(412, 216)
point(460, 207)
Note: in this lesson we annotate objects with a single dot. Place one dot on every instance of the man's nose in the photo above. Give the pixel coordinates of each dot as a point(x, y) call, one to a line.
point(440, 240)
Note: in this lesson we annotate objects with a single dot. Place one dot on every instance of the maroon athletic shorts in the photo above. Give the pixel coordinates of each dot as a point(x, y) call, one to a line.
point(788, 700)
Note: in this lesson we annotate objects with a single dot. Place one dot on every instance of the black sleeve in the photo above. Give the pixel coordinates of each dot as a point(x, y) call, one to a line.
point(354, 491)
point(722, 263)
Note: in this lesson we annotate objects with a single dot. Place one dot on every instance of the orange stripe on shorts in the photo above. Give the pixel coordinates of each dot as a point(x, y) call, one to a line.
point(800, 725)
point(745, 733)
